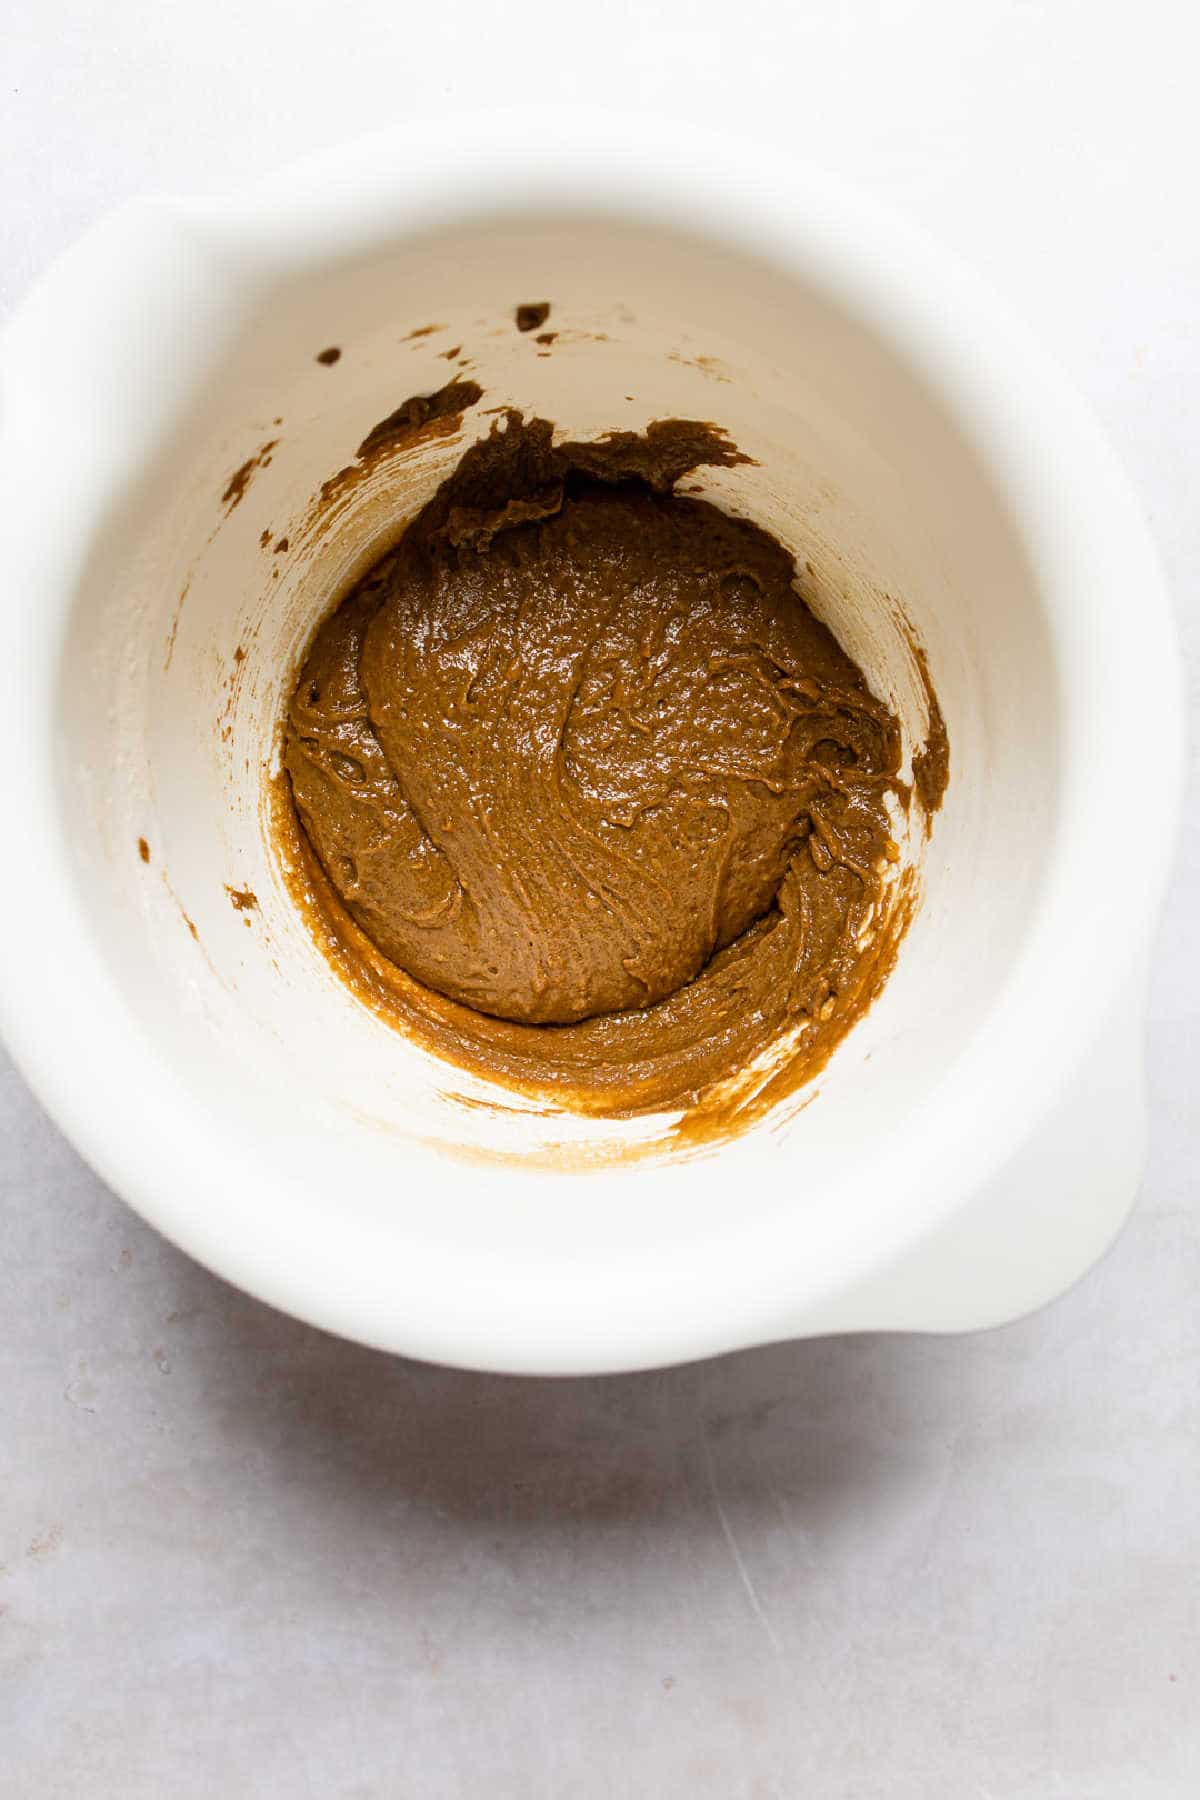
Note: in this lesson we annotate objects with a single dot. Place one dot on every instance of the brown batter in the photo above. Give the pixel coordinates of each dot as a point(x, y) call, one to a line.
point(577, 758)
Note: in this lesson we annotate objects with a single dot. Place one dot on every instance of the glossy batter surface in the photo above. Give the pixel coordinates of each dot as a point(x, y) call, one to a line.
point(577, 758)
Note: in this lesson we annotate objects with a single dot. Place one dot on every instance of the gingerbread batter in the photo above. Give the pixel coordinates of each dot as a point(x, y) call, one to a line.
point(576, 758)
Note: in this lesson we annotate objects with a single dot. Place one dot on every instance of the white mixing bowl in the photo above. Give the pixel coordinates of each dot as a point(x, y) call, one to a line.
point(975, 1142)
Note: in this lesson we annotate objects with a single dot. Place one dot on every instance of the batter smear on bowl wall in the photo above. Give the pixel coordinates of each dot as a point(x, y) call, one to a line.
point(587, 799)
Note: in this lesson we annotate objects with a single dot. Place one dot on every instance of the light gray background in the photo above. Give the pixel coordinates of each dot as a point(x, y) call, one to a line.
point(240, 1558)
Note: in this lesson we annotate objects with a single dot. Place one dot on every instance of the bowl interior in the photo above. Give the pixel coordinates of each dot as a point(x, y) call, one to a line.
point(188, 617)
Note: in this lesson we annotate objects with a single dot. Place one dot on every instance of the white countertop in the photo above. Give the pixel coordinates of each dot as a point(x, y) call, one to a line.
point(241, 1558)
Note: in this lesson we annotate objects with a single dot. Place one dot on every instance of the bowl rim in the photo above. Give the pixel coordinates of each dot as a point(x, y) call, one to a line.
point(1091, 548)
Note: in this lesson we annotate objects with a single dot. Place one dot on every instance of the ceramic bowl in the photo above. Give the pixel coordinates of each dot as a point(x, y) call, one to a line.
point(168, 425)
